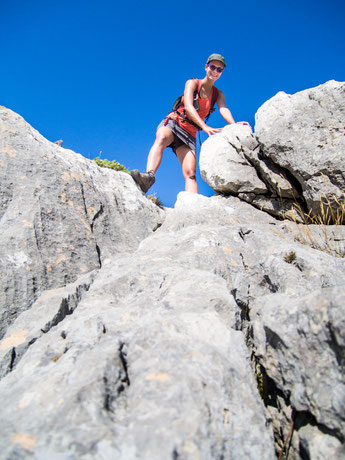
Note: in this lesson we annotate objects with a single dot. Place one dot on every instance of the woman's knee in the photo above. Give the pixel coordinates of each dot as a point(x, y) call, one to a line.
point(190, 173)
point(164, 137)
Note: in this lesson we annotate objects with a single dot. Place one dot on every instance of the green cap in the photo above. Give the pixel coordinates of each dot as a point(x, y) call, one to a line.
point(216, 57)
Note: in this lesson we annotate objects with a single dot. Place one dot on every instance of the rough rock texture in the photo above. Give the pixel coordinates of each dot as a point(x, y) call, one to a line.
point(231, 173)
point(60, 215)
point(152, 362)
point(312, 323)
point(218, 335)
point(304, 134)
point(295, 157)
point(231, 163)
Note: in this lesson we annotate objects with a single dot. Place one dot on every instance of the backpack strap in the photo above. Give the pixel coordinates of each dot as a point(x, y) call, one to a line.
point(199, 86)
point(179, 102)
point(213, 101)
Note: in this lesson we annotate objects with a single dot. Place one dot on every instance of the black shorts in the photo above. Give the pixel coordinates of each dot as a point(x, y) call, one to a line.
point(181, 137)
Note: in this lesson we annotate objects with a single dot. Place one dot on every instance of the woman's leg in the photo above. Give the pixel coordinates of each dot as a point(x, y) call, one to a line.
point(187, 159)
point(164, 137)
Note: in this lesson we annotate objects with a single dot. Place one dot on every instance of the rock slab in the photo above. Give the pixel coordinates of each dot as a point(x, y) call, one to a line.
point(60, 215)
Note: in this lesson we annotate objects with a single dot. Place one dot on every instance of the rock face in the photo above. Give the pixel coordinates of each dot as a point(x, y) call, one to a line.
point(295, 157)
point(206, 331)
point(232, 173)
point(305, 135)
point(60, 215)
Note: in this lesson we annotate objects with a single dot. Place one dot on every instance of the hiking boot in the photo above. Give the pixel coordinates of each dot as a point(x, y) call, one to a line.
point(145, 180)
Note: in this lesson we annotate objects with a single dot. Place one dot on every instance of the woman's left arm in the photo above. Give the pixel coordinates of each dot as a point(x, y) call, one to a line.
point(225, 112)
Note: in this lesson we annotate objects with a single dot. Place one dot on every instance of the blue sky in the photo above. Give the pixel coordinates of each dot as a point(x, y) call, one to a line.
point(102, 74)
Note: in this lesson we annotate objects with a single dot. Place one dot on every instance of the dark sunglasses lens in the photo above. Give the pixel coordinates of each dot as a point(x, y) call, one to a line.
point(218, 69)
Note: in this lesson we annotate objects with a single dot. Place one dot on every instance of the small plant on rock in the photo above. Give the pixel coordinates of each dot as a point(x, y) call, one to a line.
point(155, 200)
point(323, 231)
point(110, 164)
point(290, 257)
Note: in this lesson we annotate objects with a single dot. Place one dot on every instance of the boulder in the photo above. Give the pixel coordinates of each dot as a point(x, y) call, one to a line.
point(294, 164)
point(304, 135)
point(231, 163)
point(312, 324)
point(224, 165)
point(60, 215)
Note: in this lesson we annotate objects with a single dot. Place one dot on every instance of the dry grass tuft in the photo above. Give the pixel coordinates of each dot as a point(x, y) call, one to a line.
point(155, 200)
point(324, 231)
point(290, 257)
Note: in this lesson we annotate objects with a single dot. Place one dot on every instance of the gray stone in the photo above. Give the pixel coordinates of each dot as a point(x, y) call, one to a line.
point(295, 160)
point(50, 309)
point(231, 163)
point(277, 184)
point(163, 348)
point(298, 340)
point(223, 162)
point(274, 205)
point(193, 209)
point(304, 134)
point(60, 215)
point(318, 445)
point(326, 238)
point(170, 374)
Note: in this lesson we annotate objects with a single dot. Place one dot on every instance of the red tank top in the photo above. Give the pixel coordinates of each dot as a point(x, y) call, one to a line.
point(205, 105)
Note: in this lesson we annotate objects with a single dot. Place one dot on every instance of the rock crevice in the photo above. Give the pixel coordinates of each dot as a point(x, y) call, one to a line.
point(47, 312)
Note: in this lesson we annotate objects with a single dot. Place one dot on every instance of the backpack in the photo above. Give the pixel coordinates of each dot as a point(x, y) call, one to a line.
point(178, 103)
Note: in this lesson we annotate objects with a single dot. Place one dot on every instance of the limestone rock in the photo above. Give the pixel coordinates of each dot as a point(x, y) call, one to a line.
point(318, 445)
point(304, 134)
point(231, 163)
point(294, 160)
point(60, 215)
point(311, 324)
point(223, 162)
point(151, 364)
point(48, 311)
point(215, 332)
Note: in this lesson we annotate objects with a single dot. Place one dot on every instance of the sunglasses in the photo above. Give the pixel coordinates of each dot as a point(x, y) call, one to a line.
point(218, 69)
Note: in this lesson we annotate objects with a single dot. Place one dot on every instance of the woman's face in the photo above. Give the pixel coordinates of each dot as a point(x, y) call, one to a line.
point(214, 70)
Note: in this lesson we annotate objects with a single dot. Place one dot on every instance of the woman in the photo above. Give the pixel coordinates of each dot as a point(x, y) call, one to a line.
point(178, 130)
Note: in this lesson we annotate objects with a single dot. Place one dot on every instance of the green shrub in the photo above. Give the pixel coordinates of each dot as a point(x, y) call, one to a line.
point(110, 164)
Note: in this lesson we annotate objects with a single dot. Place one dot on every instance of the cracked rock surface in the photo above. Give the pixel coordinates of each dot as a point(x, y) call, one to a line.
point(60, 215)
point(207, 331)
point(295, 157)
point(304, 134)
